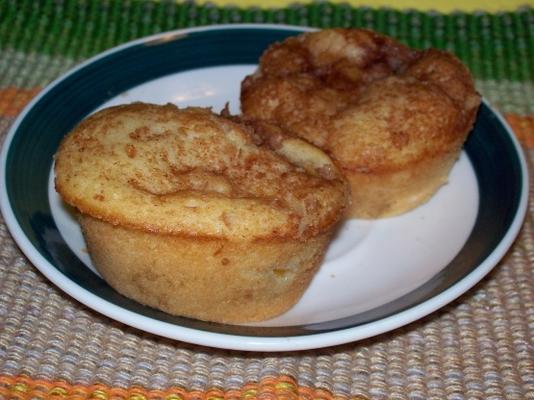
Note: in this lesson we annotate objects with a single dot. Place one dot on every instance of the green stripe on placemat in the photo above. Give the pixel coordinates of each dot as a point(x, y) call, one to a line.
point(493, 45)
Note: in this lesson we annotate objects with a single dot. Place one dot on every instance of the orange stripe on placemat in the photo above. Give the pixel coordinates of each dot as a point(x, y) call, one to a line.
point(523, 126)
point(282, 387)
point(13, 100)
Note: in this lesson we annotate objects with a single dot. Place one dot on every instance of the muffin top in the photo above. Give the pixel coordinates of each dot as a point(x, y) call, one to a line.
point(191, 172)
point(367, 99)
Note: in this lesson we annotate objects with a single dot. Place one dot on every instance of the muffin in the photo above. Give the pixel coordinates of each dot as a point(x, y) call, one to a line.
point(393, 118)
point(197, 215)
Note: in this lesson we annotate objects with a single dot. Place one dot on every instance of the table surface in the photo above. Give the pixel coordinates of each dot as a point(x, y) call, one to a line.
point(478, 347)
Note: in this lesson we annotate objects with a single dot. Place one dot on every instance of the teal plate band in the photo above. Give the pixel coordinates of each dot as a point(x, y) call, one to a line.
point(34, 139)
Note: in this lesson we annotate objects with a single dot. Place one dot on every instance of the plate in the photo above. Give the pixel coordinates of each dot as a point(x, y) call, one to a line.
point(377, 275)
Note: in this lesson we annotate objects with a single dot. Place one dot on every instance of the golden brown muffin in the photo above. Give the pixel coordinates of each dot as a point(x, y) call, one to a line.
point(197, 215)
point(394, 118)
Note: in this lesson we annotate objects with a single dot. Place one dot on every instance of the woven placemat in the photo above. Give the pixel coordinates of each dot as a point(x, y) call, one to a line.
point(479, 347)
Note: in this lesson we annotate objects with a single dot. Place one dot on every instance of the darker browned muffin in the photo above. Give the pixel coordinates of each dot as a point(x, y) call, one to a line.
point(394, 118)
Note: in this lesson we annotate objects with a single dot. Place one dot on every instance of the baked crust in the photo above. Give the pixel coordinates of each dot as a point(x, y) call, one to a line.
point(376, 106)
point(190, 172)
point(198, 215)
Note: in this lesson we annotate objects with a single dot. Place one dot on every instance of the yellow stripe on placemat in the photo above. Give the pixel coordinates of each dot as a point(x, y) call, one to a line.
point(13, 100)
point(445, 6)
point(282, 387)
